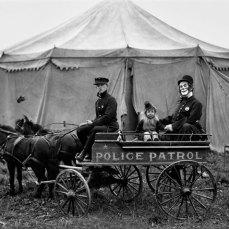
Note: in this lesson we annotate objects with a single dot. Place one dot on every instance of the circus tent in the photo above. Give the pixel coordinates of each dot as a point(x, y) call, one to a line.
point(143, 57)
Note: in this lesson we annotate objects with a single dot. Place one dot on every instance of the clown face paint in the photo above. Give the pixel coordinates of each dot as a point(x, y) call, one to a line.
point(184, 88)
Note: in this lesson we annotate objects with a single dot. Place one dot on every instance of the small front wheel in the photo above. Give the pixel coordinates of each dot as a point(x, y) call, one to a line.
point(72, 192)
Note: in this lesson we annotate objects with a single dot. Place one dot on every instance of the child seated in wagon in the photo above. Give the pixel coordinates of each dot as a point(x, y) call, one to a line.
point(149, 123)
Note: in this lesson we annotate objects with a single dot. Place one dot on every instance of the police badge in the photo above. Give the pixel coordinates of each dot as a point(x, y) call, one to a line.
point(186, 108)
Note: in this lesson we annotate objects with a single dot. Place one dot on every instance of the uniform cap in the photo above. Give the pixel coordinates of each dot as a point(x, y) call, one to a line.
point(101, 80)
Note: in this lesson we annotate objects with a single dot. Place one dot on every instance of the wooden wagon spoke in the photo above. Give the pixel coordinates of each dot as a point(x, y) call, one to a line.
point(120, 169)
point(173, 187)
point(82, 202)
point(201, 195)
point(128, 175)
point(165, 192)
point(120, 188)
point(192, 173)
point(81, 196)
point(182, 201)
point(115, 187)
point(127, 188)
point(137, 183)
point(76, 183)
point(196, 177)
point(61, 192)
point(73, 207)
point(131, 178)
point(203, 189)
point(153, 179)
point(185, 174)
point(125, 167)
point(174, 204)
point(64, 182)
point(77, 208)
point(133, 187)
point(186, 205)
point(202, 205)
point(67, 180)
point(69, 205)
point(119, 175)
point(80, 207)
point(178, 174)
point(127, 171)
point(80, 190)
point(190, 200)
point(170, 199)
point(60, 185)
point(174, 181)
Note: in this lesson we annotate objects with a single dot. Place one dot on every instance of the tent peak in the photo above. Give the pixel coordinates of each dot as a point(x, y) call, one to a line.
point(112, 25)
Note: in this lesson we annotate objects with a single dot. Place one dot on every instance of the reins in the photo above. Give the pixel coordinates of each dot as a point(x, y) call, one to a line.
point(7, 131)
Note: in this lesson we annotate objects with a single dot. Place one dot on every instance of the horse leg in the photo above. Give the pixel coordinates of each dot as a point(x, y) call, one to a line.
point(11, 169)
point(52, 172)
point(40, 174)
point(19, 178)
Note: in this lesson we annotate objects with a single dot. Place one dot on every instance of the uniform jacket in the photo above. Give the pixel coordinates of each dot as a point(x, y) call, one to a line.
point(189, 110)
point(106, 111)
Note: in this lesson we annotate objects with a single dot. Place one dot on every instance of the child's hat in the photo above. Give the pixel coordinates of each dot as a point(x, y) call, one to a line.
point(149, 106)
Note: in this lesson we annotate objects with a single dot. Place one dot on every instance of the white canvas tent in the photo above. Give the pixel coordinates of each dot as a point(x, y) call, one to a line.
point(142, 56)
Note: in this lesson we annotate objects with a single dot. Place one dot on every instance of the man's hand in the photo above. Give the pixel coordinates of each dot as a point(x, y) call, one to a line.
point(169, 127)
point(89, 122)
point(85, 123)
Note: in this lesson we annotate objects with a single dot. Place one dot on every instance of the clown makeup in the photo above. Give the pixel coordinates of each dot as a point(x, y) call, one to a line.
point(150, 114)
point(184, 88)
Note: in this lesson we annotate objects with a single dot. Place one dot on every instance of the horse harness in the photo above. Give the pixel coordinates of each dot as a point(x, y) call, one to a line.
point(16, 143)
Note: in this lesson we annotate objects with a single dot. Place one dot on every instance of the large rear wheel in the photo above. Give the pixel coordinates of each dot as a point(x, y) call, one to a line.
point(185, 189)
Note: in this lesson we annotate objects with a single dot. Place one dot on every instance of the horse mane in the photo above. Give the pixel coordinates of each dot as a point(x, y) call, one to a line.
point(8, 128)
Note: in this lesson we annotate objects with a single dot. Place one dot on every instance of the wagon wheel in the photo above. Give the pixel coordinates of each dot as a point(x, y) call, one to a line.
point(152, 173)
point(185, 189)
point(129, 182)
point(72, 192)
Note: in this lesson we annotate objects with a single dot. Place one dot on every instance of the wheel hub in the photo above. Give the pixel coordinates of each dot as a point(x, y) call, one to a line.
point(186, 191)
point(70, 194)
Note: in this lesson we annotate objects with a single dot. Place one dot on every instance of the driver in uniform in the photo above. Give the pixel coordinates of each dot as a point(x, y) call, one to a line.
point(105, 121)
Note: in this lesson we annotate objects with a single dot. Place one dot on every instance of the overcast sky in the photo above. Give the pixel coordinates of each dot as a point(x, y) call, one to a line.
point(207, 20)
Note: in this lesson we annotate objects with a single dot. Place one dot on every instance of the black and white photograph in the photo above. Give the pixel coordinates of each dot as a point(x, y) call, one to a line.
point(114, 114)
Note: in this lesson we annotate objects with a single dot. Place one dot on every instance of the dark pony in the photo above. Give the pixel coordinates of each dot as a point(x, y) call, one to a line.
point(27, 127)
point(39, 153)
point(11, 166)
point(70, 144)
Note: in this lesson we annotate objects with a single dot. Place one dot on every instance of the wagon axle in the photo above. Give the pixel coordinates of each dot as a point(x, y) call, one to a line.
point(186, 191)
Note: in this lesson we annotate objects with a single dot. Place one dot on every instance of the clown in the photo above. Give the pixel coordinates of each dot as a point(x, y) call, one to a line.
point(185, 120)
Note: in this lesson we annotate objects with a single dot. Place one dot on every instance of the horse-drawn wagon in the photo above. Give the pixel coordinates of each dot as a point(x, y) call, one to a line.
point(175, 172)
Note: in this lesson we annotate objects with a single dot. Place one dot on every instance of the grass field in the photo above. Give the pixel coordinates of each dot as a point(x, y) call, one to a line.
point(24, 211)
